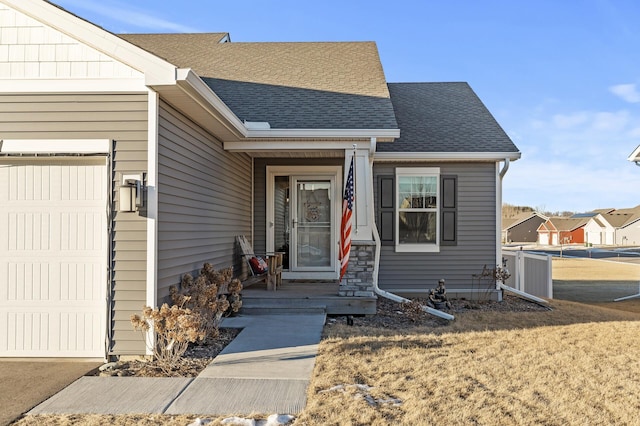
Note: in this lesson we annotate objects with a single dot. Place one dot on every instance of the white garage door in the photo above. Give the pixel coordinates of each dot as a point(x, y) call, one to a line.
point(544, 238)
point(593, 237)
point(53, 257)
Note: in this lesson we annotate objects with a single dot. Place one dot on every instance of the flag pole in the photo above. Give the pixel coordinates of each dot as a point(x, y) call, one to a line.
point(355, 174)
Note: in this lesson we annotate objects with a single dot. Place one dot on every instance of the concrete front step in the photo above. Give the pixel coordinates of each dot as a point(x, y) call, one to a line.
point(263, 309)
point(330, 305)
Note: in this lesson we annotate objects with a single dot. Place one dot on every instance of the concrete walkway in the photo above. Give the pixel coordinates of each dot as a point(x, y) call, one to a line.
point(265, 369)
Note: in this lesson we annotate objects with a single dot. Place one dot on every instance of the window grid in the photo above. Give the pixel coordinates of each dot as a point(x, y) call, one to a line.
point(417, 209)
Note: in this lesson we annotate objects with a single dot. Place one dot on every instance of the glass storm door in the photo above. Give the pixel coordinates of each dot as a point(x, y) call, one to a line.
point(312, 227)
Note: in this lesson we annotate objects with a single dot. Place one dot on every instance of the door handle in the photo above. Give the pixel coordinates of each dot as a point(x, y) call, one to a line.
point(293, 222)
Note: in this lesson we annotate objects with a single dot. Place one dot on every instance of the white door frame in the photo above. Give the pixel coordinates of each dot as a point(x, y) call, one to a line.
point(334, 173)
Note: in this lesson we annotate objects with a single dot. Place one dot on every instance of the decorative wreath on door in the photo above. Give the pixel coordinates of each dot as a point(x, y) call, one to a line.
point(312, 212)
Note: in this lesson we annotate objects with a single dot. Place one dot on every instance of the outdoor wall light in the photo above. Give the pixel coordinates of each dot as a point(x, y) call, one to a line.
point(130, 194)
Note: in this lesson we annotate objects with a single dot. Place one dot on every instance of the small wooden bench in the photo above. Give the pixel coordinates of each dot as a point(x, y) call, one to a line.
point(272, 277)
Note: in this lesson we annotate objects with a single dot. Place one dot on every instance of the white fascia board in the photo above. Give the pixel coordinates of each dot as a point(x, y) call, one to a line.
point(54, 146)
point(635, 155)
point(186, 76)
point(446, 156)
point(156, 70)
point(293, 145)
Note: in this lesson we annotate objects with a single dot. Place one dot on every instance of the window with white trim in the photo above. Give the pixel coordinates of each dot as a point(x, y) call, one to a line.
point(417, 209)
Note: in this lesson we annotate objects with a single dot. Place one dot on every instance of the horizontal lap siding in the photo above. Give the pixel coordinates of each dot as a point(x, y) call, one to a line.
point(204, 199)
point(119, 117)
point(476, 242)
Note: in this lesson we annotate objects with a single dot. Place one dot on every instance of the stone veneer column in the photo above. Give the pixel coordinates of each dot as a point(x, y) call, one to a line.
point(358, 280)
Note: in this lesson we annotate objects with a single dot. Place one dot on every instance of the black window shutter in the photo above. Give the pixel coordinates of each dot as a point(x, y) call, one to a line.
point(449, 210)
point(386, 209)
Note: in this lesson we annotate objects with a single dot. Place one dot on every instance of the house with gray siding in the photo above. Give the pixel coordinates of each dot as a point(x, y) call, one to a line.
point(127, 161)
point(523, 228)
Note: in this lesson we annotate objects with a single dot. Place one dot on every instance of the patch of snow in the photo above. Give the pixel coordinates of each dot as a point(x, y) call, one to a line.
point(200, 422)
point(272, 420)
point(362, 392)
point(238, 421)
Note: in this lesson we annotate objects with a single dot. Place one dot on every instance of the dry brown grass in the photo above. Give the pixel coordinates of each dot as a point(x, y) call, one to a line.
point(576, 364)
point(567, 366)
point(597, 282)
point(594, 270)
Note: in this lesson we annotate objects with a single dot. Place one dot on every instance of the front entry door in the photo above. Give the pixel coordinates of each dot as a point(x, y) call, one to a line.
point(303, 204)
point(312, 224)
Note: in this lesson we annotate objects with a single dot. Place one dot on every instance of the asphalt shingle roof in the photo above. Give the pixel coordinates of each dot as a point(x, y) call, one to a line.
point(443, 117)
point(568, 223)
point(290, 85)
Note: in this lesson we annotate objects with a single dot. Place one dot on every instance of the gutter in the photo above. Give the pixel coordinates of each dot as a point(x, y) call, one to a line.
point(376, 238)
point(446, 156)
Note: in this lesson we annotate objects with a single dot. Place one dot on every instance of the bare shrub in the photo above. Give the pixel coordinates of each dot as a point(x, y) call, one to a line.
point(212, 294)
point(199, 305)
point(413, 310)
point(173, 328)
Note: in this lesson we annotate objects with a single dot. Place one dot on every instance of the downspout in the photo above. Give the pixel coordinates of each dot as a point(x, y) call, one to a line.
point(109, 295)
point(501, 174)
point(499, 284)
point(376, 239)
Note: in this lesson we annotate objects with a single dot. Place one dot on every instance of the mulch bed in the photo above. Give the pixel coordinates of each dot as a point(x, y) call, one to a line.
point(390, 315)
point(195, 359)
point(393, 316)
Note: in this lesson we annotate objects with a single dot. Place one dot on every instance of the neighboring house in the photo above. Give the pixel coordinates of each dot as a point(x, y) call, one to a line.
point(547, 233)
point(221, 139)
point(627, 231)
point(562, 230)
point(635, 156)
point(613, 227)
point(598, 230)
point(523, 228)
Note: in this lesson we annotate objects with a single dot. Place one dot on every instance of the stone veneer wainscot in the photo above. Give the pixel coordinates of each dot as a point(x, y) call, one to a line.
point(358, 280)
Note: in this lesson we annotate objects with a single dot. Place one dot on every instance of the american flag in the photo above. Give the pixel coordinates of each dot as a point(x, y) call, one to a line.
point(345, 225)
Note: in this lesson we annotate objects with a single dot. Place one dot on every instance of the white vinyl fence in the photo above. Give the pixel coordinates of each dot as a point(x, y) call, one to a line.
point(530, 273)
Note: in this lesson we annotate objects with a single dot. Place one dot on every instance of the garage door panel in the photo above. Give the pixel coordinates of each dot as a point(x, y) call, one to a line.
point(53, 263)
point(60, 333)
point(82, 230)
point(28, 230)
point(26, 281)
point(77, 281)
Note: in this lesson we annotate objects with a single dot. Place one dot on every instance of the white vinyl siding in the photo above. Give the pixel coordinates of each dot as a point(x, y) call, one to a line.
point(31, 50)
point(54, 257)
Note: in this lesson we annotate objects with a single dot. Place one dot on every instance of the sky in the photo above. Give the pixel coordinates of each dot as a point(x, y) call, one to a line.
point(561, 77)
